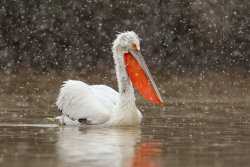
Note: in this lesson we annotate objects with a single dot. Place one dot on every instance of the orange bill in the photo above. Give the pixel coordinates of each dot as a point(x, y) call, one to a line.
point(141, 77)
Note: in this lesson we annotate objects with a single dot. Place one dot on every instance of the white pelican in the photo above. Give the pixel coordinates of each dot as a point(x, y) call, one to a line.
point(99, 104)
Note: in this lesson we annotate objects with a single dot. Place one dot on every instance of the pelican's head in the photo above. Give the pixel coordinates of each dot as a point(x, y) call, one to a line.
point(126, 48)
point(125, 41)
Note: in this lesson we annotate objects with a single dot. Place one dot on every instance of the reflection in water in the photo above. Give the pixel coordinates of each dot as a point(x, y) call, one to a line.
point(106, 146)
point(97, 146)
point(147, 154)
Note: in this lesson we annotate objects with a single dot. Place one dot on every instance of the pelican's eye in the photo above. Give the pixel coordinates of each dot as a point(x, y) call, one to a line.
point(134, 46)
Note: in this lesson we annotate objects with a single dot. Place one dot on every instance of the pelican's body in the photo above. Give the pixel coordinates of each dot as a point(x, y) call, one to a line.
point(99, 104)
point(89, 104)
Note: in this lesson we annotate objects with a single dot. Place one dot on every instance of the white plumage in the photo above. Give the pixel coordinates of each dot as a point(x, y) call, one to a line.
point(81, 101)
point(99, 104)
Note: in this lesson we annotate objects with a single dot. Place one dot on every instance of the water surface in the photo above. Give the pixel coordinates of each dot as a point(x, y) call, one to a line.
point(205, 123)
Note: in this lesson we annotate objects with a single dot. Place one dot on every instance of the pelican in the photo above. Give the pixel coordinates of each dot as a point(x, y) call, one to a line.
point(81, 103)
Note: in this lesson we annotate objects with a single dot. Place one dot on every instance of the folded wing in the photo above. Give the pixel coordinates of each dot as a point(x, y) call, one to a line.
point(80, 101)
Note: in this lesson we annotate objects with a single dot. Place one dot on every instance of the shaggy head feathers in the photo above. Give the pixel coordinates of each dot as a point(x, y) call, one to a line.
point(125, 40)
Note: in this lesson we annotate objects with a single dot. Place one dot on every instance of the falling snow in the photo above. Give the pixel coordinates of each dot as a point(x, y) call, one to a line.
point(198, 53)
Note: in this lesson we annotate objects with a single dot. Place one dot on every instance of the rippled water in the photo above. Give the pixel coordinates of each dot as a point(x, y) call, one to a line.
point(205, 123)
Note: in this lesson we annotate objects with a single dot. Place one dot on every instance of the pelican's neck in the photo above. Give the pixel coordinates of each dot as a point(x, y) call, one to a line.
point(126, 91)
point(125, 111)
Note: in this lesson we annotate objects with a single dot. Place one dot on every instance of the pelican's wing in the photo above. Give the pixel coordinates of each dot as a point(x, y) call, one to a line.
point(106, 95)
point(77, 101)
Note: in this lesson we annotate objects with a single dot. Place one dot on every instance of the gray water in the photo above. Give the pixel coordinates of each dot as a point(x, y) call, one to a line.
point(205, 122)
